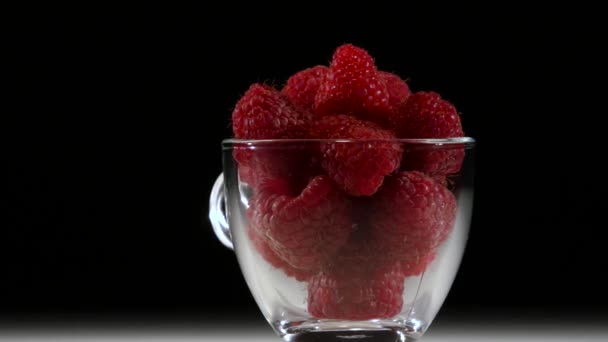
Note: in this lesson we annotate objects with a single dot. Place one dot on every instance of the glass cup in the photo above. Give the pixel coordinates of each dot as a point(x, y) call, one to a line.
point(346, 239)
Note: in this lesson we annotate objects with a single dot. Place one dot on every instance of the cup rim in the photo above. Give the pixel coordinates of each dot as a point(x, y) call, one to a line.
point(469, 141)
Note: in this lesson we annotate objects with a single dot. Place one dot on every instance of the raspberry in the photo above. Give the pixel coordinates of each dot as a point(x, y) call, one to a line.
point(248, 175)
point(426, 115)
point(264, 113)
point(438, 161)
point(305, 229)
point(357, 285)
point(352, 86)
point(410, 217)
point(413, 267)
point(273, 259)
point(301, 88)
point(359, 167)
point(398, 90)
point(292, 162)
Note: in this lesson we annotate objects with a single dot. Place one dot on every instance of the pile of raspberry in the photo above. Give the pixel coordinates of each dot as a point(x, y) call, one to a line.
point(355, 214)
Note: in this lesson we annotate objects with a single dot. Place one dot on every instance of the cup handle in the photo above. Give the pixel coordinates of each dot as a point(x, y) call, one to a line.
point(217, 212)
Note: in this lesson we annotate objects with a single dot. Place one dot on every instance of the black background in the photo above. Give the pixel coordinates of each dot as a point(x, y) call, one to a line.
point(117, 144)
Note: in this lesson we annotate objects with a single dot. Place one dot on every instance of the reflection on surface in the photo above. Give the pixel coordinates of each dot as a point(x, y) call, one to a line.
point(266, 335)
point(450, 326)
point(259, 331)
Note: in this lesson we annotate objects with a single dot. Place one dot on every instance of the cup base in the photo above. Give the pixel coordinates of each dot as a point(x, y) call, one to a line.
point(349, 335)
point(341, 331)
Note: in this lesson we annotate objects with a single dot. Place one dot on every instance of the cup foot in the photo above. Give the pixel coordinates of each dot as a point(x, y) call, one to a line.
point(349, 335)
point(341, 331)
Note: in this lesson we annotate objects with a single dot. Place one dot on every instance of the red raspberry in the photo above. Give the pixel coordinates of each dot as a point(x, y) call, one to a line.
point(426, 115)
point(352, 86)
point(357, 285)
point(398, 90)
point(437, 161)
point(413, 267)
point(301, 88)
point(293, 162)
point(358, 167)
point(305, 229)
point(247, 175)
point(410, 217)
point(273, 259)
point(264, 113)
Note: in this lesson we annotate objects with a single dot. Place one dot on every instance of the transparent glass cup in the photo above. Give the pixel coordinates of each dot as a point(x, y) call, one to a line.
point(332, 245)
